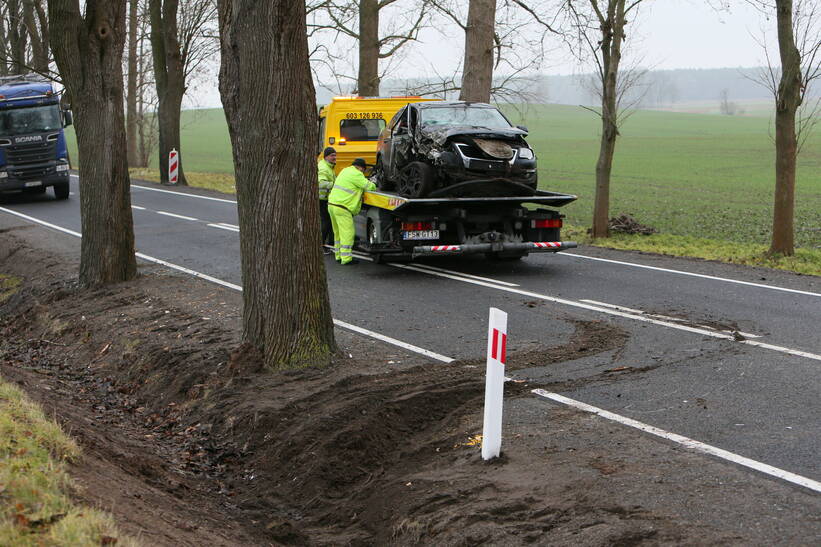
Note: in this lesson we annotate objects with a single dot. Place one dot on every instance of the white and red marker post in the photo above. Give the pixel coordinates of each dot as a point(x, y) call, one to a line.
point(494, 384)
point(173, 166)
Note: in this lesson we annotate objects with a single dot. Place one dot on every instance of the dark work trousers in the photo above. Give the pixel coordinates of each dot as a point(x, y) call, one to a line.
point(325, 223)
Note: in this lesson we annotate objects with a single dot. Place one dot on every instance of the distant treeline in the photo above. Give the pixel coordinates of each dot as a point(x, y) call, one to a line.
point(655, 88)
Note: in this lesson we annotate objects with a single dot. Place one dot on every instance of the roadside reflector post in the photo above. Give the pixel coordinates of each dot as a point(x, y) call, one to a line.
point(494, 384)
point(173, 166)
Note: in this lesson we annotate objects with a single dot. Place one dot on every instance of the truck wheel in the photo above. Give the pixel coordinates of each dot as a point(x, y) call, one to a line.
point(61, 190)
point(417, 180)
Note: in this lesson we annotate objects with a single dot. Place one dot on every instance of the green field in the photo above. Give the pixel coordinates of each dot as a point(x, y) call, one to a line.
point(686, 174)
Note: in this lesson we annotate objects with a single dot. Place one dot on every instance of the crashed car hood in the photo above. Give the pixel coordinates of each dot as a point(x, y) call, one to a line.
point(441, 134)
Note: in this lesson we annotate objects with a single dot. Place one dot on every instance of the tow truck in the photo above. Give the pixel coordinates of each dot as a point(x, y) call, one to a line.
point(391, 227)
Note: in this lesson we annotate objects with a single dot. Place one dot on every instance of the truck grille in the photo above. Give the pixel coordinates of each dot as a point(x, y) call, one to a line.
point(30, 160)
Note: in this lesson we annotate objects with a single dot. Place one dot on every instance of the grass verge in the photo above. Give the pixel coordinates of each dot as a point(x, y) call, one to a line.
point(221, 182)
point(805, 261)
point(35, 505)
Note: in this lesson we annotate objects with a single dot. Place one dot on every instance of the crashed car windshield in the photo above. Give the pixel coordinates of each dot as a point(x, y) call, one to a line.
point(465, 116)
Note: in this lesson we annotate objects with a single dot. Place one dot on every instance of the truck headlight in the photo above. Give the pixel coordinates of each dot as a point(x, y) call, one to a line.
point(3, 174)
point(526, 153)
point(62, 167)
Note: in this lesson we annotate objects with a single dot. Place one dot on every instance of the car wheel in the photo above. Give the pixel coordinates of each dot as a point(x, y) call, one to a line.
point(381, 177)
point(61, 190)
point(417, 180)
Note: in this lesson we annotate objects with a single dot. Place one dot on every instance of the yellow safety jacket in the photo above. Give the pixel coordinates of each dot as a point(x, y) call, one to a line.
point(325, 171)
point(348, 189)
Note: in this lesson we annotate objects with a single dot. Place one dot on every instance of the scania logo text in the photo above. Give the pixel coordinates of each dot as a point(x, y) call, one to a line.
point(28, 138)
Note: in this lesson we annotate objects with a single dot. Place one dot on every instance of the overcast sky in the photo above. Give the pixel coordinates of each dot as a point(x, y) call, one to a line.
point(668, 34)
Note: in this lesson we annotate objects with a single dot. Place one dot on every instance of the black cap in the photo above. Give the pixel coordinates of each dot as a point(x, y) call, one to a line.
point(328, 151)
point(359, 162)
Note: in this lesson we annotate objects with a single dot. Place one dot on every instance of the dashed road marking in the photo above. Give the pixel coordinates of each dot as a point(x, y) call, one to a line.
point(222, 226)
point(175, 215)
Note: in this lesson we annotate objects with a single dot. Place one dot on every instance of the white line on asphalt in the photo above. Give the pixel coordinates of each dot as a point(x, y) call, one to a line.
point(224, 227)
point(137, 207)
point(752, 464)
point(599, 309)
point(175, 215)
point(685, 441)
point(703, 276)
point(666, 317)
point(184, 194)
point(228, 225)
point(394, 341)
point(436, 269)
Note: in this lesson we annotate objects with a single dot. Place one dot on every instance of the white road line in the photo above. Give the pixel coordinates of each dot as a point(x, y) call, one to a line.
point(703, 276)
point(665, 317)
point(224, 227)
point(228, 225)
point(471, 276)
point(175, 215)
point(184, 194)
point(752, 464)
point(608, 311)
point(394, 341)
point(137, 207)
point(685, 441)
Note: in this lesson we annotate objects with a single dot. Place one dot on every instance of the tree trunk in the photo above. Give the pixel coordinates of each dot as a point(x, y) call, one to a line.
point(38, 38)
point(169, 75)
point(368, 80)
point(788, 100)
point(131, 93)
point(18, 37)
point(264, 67)
point(612, 34)
point(477, 75)
point(89, 51)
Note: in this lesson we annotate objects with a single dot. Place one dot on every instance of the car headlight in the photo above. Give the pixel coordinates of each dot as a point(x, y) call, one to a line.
point(526, 153)
point(62, 167)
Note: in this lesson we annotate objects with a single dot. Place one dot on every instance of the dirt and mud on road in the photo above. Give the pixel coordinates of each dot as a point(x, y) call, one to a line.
point(188, 442)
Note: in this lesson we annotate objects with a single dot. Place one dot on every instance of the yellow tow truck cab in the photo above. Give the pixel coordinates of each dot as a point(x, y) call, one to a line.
point(352, 125)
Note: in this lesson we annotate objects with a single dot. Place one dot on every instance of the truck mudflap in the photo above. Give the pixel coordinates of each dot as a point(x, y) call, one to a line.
point(523, 247)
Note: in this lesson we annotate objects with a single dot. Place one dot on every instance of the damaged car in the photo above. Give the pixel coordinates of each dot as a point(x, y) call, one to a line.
point(454, 149)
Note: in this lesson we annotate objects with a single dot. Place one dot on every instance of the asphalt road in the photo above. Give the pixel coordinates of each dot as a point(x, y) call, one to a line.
point(759, 397)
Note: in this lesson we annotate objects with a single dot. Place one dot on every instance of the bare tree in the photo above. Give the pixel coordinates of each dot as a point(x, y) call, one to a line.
point(24, 38)
point(131, 87)
point(599, 27)
point(504, 47)
point(360, 20)
point(88, 49)
point(269, 100)
point(178, 49)
point(798, 26)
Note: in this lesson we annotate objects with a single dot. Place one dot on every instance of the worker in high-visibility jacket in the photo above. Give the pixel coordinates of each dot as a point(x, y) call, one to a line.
point(325, 172)
point(345, 201)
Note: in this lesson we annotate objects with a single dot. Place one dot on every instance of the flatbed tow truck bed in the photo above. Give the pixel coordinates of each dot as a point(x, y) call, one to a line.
point(394, 227)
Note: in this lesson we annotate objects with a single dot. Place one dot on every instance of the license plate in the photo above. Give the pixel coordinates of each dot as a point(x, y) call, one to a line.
point(32, 183)
point(422, 234)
